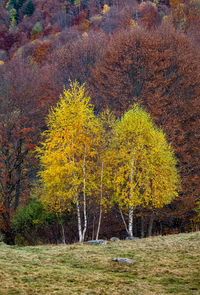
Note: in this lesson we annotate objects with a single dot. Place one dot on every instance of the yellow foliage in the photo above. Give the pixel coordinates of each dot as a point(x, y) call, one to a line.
point(96, 17)
point(1, 62)
point(77, 3)
point(179, 15)
point(105, 9)
point(85, 35)
point(166, 19)
point(174, 3)
point(144, 166)
point(133, 23)
point(67, 144)
point(143, 4)
point(129, 157)
point(86, 25)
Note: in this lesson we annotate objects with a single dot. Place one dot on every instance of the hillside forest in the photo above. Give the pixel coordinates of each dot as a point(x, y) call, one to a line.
point(99, 119)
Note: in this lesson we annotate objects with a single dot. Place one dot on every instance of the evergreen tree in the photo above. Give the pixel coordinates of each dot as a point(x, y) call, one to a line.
point(29, 9)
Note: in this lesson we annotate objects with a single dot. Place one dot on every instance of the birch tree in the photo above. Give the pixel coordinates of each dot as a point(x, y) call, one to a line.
point(66, 155)
point(145, 171)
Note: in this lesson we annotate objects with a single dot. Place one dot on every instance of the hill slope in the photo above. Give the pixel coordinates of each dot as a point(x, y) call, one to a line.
point(162, 265)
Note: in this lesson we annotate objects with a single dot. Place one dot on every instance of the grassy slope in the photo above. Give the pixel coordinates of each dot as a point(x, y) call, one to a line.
point(162, 265)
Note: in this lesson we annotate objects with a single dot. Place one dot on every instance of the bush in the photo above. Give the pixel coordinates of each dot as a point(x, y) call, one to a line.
point(37, 28)
point(31, 221)
point(20, 240)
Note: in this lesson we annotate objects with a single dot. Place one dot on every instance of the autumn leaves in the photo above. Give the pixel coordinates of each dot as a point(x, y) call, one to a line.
point(84, 157)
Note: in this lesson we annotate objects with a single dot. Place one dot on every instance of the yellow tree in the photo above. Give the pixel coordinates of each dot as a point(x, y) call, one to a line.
point(67, 153)
point(144, 172)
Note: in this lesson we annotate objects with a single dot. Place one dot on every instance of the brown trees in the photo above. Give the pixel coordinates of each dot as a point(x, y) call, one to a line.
point(148, 14)
point(22, 107)
point(75, 59)
point(192, 24)
point(161, 71)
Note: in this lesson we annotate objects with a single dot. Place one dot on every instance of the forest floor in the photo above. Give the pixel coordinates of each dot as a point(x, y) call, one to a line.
point(162, 265)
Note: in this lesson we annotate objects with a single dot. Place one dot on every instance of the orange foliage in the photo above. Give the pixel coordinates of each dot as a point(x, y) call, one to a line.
point(148, 14)
point(174, 3)
point(41, 52)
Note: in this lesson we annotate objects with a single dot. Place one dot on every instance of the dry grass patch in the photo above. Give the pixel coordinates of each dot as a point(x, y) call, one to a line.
point(162, 265)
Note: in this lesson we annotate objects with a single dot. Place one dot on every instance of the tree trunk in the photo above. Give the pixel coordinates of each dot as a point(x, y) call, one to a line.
point(8, 234)
point(100, 209)
point(142, 227)
point(77, 205)
point(136, 15)
point(18, 167)
point(93, 229)
point(161, 228)
point(17, 187)
point(63, 234)
point(130, 213)
point(79, 221)
point(84, 198)
point(124, 221)
point(130, 222)
point(150, 227)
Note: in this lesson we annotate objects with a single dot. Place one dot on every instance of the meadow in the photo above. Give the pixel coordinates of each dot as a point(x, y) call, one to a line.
point(161, 265)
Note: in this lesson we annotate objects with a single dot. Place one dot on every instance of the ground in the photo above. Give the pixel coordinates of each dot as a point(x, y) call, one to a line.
point(162, 265)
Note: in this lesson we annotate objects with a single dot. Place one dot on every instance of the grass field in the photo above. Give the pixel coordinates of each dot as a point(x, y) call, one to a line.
point(162, 265)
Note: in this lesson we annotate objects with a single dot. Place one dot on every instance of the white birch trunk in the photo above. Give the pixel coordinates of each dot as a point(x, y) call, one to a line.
point(93, 229)
point(84, 197)
point(63, 234)
point(130, 213)
point(100, 208)
point(77, 206)
point(130, 222)
point(79, 221)
point(136, 15)
point(124, 221)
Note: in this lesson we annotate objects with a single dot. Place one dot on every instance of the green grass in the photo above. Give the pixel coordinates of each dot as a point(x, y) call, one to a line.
point(162, 265)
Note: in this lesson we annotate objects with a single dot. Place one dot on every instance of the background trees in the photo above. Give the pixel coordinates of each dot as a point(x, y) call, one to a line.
point(75, 59)
point(161, 71)
point(22, 109)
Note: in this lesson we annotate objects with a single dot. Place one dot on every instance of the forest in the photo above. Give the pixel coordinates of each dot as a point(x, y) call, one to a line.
point(99, 119)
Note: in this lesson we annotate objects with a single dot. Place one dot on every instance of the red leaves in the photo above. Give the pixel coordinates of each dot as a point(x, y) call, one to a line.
point(22, 117)
point(41, 52)
point(25, 131)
